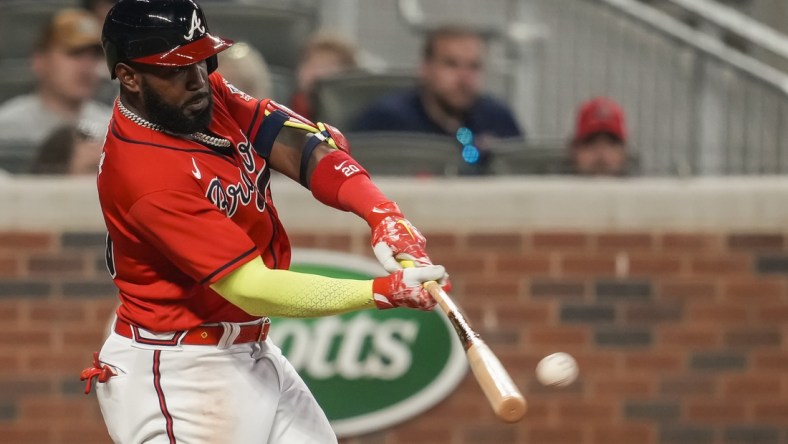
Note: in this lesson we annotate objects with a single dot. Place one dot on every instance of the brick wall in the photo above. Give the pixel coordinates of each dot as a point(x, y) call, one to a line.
point(681, 337)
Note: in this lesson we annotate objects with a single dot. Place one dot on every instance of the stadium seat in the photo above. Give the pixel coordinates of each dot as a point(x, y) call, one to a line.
point(339, 99)
point(21, 23)
point(282, 84)
point(278, 31)
point(407, 154)
point(515, 156)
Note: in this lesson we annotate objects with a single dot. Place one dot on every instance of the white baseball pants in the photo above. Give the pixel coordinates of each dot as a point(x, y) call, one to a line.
point(193, 394)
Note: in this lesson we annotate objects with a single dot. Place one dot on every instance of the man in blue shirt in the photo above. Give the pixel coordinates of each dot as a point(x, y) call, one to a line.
point(449, 99)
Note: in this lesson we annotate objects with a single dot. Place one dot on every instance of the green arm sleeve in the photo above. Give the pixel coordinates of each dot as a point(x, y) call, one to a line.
point(261, 291)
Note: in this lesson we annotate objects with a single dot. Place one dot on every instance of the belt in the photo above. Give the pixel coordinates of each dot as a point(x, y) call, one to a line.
point(202, 335)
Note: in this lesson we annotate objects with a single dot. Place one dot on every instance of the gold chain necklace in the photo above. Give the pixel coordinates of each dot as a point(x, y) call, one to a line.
point(200, 137)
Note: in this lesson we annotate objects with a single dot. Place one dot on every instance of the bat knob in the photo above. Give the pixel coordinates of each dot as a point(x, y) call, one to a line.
point(512, 408)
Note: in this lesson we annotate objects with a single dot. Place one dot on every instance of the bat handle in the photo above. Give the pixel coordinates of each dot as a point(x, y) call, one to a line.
point(435, 290)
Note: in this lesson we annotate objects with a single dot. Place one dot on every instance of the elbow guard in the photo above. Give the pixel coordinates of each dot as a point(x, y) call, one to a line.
point(278, 116)
point(338, 180)
point(325, 134)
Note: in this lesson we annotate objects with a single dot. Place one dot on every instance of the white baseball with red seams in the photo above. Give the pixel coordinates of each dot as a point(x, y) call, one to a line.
point(557, 370)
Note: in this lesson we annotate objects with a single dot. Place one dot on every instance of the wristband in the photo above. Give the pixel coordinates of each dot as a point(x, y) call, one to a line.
point(340, 182)
point(380, 289)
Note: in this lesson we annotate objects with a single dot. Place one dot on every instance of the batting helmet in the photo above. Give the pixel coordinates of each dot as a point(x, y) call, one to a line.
point(162, 32)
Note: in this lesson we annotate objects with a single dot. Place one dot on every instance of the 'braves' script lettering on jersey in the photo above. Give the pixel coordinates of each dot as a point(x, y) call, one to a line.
point(227, 198)
point(245, 150)
point(217, 195)
point(240, 193)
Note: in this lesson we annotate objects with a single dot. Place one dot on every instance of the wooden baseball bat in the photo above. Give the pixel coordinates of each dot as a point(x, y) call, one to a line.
point(505, 399)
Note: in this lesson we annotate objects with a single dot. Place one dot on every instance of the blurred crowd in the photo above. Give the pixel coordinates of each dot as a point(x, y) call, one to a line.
point(58, 127)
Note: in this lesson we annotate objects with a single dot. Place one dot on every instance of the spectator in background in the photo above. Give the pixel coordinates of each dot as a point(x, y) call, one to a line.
point(65, 64)
point(449, 99)
point(245, 68)
point(107, 90)
point(324, 55)
point(68, 150)
point(599, 145)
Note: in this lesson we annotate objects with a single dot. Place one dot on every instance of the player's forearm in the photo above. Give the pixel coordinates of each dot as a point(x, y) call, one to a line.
point(261, 291)
point(333, 176)
point(318, 156)
point(288, 149)
point(340, 182)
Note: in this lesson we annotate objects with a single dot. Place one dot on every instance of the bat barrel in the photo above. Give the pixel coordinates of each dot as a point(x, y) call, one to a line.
point(501, 392)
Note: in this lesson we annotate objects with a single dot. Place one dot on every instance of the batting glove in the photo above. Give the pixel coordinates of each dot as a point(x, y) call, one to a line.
point(405, 288)
point(395, 239)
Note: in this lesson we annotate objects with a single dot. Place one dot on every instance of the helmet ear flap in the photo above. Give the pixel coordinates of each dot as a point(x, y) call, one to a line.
point(112, 56)
point(213, 63)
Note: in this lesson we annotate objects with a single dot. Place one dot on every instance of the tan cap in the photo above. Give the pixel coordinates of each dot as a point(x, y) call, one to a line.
point(71, 29)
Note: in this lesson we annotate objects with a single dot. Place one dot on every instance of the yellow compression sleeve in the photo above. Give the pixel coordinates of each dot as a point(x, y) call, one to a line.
point(261, 291)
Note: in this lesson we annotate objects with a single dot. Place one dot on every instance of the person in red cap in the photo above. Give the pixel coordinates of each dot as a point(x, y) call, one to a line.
point(599, 145)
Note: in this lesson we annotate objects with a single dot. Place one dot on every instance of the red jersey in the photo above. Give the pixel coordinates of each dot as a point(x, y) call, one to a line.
point(181, 215)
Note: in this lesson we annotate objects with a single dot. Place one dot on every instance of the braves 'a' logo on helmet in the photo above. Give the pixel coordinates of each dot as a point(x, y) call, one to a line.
point(196, 25)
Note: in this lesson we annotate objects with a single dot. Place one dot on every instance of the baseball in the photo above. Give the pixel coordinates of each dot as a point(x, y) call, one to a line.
point(557, 370)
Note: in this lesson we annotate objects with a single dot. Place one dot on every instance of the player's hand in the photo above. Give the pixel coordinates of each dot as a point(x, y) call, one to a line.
point(405, 288)
point(395, 239)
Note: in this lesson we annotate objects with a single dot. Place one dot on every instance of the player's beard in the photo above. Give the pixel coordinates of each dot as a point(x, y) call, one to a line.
point(173, 118)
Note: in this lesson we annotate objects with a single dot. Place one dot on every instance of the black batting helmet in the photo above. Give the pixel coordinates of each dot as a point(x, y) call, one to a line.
point(159, 32)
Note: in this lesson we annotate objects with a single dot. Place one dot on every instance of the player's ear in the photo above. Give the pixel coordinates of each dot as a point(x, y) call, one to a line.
point(128, 77)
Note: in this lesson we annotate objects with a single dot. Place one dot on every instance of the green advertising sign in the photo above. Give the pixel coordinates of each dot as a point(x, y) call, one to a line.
point(371, 369)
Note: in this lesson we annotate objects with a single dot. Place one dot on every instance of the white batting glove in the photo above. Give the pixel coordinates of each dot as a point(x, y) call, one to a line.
point(395, 239)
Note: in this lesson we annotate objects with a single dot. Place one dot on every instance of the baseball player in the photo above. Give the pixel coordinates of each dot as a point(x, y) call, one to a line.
point(197, 250)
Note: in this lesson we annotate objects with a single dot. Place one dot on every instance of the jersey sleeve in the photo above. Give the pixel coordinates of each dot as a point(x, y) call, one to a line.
point(247, 111)
point(193, 234)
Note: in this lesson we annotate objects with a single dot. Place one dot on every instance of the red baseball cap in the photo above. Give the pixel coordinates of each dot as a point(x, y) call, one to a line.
point(600, 115)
